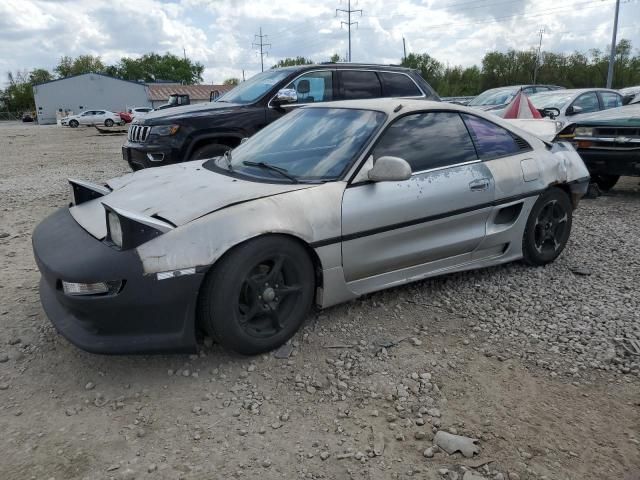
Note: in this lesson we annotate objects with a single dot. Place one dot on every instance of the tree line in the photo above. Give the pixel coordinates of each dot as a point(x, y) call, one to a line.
point(497, 69)
point(18, 95)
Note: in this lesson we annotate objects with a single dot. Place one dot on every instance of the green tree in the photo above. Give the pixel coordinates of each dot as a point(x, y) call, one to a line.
point(231, 81)
point(18, 96)
point(152, 66)
point(40, 75)
point(68, 66)
point(430, 69)
point(335, 58)
point(290, 62)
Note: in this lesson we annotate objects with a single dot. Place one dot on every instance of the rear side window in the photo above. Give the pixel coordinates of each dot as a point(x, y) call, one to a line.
point(427, 140)
point(399, 85)
point(491, 140)
point(610, 100)
point(360, 84)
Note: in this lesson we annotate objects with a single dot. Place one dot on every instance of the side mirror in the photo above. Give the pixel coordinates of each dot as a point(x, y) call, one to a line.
point(390, 169)
point(574, 110)
point(286, 95)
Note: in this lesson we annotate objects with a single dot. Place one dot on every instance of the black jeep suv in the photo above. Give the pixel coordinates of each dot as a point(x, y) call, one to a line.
point(209, 129)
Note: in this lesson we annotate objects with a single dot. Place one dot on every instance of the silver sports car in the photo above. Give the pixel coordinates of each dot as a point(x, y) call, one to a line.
point(328, 203)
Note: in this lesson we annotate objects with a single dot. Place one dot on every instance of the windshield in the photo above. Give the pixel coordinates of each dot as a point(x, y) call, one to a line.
point(551, 100)
point(495, 96)
point(255, 87)
point(309, 144)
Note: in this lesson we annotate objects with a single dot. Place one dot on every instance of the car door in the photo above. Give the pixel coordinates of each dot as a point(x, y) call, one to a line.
point(432, 221)
point(99, 117)
point(315, 86)
point(587, 103)
point(86, 118)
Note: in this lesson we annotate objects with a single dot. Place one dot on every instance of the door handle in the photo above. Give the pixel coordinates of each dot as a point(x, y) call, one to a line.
point(479, 185)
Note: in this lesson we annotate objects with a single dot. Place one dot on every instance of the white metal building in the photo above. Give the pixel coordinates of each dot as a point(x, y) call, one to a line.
point(73, 95)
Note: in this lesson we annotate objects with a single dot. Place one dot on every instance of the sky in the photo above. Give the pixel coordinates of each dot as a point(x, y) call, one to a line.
point(220, 33)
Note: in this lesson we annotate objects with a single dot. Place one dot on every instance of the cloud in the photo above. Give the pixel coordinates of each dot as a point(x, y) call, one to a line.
point(220, 33)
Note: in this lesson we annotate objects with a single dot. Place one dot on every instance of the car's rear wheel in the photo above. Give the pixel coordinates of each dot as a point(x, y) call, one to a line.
point(605, 182)
point(210, 151)
point(257, 296)
point(548, 228)
point(73, 124)
point(108, 122)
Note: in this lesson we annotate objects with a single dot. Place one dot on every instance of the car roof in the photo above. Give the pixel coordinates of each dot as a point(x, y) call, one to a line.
point(576, 91)
point(341, 66)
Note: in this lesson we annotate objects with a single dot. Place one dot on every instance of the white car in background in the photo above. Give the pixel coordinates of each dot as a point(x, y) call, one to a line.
point(92, 117)
point(571, 104)
point(138, 112)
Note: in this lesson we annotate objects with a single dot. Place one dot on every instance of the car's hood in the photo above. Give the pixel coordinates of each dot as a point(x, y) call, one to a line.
point(176, 193)
point(628, 115)
point(166, 115)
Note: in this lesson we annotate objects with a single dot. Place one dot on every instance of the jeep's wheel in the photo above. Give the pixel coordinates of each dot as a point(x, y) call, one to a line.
point(210, 151)
point(605, 182)
point(73, 124)
point(257, 296)
point(108, 122)
point(548, 228)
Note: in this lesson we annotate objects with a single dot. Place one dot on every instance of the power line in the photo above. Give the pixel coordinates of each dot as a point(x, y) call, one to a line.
point(261, 45)
point(348, 23)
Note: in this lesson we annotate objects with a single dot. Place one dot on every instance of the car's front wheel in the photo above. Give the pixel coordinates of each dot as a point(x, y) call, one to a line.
point(548, 228)
point(108, 122)
point(211, 150)
point(258, 295)
point(73, 124)
point(605, 182)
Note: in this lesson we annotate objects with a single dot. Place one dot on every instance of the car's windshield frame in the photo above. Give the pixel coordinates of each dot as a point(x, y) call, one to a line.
point(275, 76)
point(229, 165)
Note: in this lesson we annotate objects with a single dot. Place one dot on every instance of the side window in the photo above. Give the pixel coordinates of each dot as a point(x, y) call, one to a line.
point(588, 102)
point(360, 84)
point(491, 140)
point(528, 90)
point(314, 87)
point(399, 85)
point(542, 89)
point(427, 140)
point(610, 100)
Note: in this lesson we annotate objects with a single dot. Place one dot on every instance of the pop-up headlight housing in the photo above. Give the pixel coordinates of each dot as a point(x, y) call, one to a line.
point(126, 230)
point(82, 191)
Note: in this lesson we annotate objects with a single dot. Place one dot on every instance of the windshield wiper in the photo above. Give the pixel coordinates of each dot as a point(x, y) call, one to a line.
point(273, 168)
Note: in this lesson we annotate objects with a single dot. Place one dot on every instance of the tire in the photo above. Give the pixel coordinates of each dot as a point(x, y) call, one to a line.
point(108, 122)
point(605, 182)
point(548, 228)
point(258, 295)
point(209, 151)
point(74, 124)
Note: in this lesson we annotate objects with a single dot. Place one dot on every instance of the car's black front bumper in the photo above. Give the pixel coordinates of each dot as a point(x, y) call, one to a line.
point(147, 315)
point(140, 156)
point(611, 162)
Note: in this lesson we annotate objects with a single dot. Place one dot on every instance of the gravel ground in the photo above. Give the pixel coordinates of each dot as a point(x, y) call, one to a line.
point(529, 361)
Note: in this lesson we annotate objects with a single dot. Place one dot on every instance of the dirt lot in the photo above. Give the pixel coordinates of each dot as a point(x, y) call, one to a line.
point(529, 361)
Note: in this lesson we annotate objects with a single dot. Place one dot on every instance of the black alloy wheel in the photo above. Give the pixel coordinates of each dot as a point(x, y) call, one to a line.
point(257, 296)
point(108, 122)
point(548, 228)
point(74, 124)
point(211, 150)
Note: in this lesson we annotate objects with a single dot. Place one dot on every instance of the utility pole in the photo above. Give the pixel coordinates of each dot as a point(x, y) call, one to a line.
point(612, 56)
point(535, 70)
point(260, 44)
point(348, 23)
point(404, 49)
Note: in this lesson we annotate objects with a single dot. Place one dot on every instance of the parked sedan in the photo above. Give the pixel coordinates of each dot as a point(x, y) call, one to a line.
point(609, 144)
point(330, 202)
point(572, 104)
point(92, 117)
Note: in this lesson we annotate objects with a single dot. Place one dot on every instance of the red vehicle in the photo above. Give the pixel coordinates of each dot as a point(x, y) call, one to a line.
point(125, 116)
